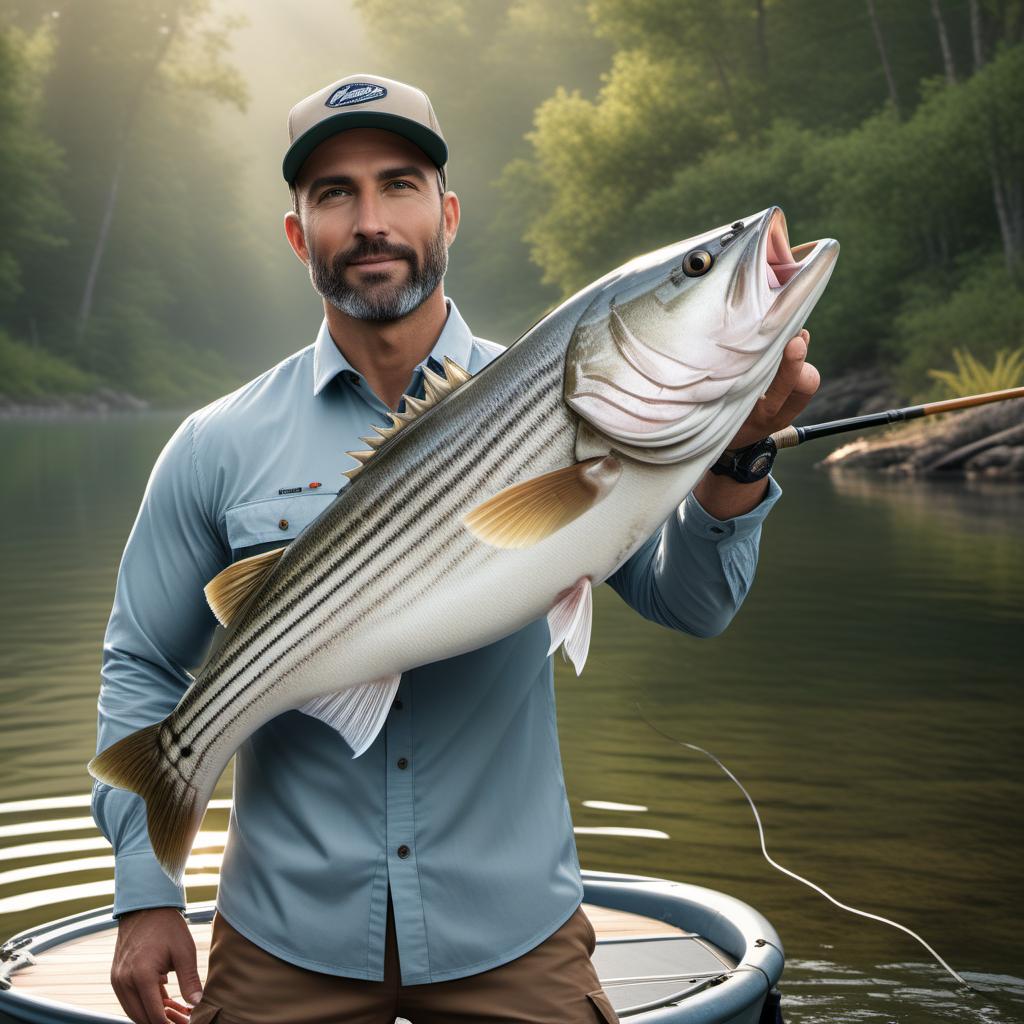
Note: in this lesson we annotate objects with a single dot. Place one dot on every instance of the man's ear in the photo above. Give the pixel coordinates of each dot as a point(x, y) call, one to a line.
point(296, 236)
point(452, 212)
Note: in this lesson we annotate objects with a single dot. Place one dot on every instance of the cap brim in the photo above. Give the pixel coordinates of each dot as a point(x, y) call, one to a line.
point(431, 144)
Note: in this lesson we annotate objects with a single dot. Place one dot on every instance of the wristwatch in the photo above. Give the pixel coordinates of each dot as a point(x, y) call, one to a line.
point(748, 465)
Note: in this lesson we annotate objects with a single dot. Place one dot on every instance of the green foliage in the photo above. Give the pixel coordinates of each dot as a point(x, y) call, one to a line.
point(27, 372)
point(976, 307)
point(31, 215)
point(972, 377)
point(685, 135)
point(581, 134)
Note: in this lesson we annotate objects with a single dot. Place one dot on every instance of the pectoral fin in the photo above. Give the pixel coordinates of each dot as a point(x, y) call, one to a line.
point(358, 713)
point(230, 589)
point(523, 514)
point(569, 622)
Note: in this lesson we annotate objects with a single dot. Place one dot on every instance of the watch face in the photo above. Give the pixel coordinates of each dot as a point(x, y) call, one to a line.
point(762, 463)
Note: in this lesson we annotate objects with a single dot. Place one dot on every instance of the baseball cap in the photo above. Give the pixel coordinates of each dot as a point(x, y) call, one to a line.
point(363, 101)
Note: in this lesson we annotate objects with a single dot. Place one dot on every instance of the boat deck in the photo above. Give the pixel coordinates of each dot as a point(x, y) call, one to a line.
point(639, 959)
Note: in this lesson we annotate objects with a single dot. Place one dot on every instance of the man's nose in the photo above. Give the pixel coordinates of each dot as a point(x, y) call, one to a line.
point(370, 215)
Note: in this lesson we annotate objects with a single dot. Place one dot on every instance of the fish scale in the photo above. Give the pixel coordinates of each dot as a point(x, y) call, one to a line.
point(502, 498)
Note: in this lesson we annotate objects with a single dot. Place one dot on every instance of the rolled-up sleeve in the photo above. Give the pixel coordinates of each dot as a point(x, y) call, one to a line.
point(694, 573)
point(159, 627)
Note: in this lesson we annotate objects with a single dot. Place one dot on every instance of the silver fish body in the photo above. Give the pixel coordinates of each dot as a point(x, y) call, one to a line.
point(641, 380)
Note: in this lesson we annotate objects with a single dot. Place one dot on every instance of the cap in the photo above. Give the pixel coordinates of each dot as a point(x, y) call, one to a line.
point(363, 101)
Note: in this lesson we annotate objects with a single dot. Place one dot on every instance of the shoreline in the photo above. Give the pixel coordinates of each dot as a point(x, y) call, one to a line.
point(983, 443)
point(102, 402)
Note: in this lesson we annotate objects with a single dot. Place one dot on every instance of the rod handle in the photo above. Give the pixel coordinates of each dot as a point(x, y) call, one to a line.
point(787, 437)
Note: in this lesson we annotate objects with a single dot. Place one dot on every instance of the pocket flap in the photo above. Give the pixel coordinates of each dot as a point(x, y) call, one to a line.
point(279, 519)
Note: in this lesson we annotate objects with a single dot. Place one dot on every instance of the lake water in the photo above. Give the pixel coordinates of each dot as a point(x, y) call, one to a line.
point(868, 694)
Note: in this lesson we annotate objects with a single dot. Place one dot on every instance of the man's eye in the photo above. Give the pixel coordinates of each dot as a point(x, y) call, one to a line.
point(407, 184)
point(334, 191)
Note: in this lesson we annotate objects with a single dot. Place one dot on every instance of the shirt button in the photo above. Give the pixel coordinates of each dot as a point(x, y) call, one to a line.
point(398, 705)
point(403, 851)
point(717, 529)
point(283, 524)
point(402, 762)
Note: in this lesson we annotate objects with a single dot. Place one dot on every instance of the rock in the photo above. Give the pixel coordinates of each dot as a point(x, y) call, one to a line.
point(986, 441)
point(998, 455)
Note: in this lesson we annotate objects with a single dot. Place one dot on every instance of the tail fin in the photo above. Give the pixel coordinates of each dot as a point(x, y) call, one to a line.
point(138, 763)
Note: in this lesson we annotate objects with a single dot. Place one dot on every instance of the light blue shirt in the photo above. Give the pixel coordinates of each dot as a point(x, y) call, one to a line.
point(459, 805)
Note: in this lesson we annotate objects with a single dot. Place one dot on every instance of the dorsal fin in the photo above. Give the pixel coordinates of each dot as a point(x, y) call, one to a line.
point(435, 387)
point(230, 589)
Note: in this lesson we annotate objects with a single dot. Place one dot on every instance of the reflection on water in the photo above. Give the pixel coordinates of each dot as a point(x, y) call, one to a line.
point(611, 805)
point(867, 695)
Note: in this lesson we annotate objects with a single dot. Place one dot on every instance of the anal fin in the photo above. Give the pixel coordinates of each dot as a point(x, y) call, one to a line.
point(358, 713)
point(569, 622)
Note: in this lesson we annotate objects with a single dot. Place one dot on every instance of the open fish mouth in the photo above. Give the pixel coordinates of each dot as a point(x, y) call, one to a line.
point(783, 262)
point(794, 275)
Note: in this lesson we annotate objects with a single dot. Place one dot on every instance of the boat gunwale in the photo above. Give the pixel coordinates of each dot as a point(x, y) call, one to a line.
point(726, 922)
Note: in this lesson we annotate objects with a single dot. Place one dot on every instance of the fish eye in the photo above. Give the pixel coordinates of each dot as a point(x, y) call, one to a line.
point(696, 262)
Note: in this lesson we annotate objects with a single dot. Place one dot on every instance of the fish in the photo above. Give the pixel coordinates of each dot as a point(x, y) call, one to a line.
point(529, 483)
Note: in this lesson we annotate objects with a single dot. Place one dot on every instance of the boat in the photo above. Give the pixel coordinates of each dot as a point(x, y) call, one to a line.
point(667, 953)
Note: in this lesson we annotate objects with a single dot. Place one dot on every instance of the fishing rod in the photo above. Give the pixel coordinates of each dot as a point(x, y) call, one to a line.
point(791, 436)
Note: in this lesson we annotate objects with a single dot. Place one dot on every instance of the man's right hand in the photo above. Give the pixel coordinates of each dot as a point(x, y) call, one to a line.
point(150, 944)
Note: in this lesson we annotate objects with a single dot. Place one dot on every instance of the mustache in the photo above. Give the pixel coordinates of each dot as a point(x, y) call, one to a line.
point(369, 250)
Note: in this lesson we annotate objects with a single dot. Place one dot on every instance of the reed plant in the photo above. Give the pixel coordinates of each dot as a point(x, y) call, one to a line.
point(972, 377)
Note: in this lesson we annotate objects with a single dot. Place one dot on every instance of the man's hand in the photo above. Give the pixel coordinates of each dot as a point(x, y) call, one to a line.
point(791, 389)
point(150, 943)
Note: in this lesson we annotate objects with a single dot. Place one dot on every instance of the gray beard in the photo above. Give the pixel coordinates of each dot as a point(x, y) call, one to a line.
point(373, 300)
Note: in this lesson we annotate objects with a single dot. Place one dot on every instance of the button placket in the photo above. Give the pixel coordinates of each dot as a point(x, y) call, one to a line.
point(403, 875)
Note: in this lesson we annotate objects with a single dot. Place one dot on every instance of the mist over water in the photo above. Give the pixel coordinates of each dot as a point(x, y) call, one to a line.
point(867, 694)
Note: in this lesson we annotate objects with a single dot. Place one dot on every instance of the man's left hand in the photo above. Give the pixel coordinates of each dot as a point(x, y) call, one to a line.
point(789, 392)
point(791, 389)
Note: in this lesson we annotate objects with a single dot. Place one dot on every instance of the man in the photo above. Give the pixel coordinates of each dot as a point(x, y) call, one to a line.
point(436, 876)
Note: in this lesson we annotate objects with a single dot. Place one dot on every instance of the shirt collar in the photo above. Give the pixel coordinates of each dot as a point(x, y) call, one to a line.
point(455, 341)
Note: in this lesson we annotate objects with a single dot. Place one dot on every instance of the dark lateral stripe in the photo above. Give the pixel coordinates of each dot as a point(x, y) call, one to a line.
point(442, 483)
point(346, 539)
point(528, 429)
point(412, 585)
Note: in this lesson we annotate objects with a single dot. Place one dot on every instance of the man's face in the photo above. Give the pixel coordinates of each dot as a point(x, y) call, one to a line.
point(372, 225)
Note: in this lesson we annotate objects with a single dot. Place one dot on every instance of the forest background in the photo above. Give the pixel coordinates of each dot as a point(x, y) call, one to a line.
point(141, 199)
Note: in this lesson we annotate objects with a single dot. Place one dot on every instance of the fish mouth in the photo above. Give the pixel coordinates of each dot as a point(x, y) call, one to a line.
point(781, 260)
point(794, 275)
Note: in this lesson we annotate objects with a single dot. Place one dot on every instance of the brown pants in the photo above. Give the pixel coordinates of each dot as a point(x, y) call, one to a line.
point(554, 983)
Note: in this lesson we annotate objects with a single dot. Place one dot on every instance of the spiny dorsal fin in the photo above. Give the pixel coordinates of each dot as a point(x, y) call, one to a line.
point(435, 387)
point(230, 589)
point(523, 514)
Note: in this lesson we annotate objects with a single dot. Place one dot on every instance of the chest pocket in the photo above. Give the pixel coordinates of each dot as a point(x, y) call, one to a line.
point(256, 526)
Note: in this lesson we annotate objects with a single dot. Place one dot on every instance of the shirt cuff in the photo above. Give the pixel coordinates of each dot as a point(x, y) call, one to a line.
point(697, 520)
point(140, 883)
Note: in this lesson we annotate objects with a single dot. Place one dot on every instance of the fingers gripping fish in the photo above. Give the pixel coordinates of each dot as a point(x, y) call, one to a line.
point(528, 484)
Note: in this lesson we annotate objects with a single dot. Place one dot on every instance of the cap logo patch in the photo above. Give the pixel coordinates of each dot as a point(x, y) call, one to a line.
point(356, 92)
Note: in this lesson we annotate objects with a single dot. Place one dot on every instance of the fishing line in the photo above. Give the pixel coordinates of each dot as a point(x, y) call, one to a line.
point(793, 874)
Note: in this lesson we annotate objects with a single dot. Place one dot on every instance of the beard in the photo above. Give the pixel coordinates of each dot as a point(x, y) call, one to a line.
point(375, 297)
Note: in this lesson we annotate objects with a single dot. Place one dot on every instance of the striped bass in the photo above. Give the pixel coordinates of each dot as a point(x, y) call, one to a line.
point(494, 500)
